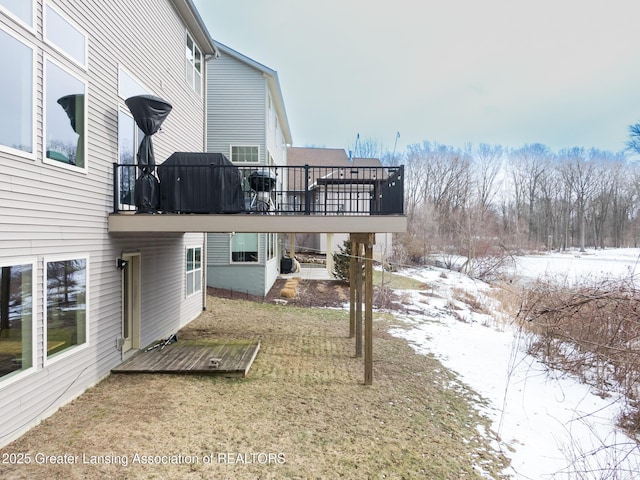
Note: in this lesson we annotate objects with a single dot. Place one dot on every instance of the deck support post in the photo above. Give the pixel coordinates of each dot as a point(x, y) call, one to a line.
point(352, 291)
point(368, 314)
point(360, 242)
point(358, 282)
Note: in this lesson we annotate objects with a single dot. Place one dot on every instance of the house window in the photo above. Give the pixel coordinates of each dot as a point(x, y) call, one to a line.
point(194, 65)
point(65, 113)
point(20, 9)
point(65, 36)
point(194, 270)
point(271, 245)
point(129, 86)
point(16, 318)
point(244, 248)
point(129, 137)
point(66, 301)
point(245, 154)
point(16, 96)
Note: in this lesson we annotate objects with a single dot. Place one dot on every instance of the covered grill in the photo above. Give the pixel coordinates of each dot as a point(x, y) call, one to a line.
point(196, 182)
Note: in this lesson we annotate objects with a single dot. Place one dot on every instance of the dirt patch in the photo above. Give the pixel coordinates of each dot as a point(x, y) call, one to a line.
point(301, 413)
point(309, 293)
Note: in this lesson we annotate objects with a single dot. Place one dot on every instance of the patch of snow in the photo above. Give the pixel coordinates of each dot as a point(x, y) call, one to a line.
point(549, 424)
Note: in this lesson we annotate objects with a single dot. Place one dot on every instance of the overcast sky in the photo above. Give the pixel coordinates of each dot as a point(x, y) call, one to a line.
point(563, 73)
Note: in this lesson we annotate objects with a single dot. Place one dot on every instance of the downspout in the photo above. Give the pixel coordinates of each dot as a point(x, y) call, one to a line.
point(205, 267)
point(204, 259)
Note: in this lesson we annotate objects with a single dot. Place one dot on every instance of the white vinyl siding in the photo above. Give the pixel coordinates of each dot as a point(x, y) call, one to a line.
point(242, 113)
point(49, 213)
point(235, 106)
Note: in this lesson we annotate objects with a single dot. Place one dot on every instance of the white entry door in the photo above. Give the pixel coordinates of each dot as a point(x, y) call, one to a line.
point(131, 303)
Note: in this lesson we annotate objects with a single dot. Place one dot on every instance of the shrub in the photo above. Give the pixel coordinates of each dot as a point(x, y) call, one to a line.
point(342, 262)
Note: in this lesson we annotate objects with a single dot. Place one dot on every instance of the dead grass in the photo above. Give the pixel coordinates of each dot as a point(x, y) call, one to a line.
point(301, 413)
point(591, 330)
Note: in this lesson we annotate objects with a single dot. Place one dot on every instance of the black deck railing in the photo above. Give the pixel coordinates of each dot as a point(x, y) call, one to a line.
point(281, 190)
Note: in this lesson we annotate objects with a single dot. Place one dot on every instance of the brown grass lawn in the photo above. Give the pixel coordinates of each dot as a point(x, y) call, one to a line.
point(302, 412)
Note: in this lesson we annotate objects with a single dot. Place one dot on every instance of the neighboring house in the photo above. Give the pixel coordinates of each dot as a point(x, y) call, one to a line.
point(247, 122)
point(76, 300)
point(338, 190)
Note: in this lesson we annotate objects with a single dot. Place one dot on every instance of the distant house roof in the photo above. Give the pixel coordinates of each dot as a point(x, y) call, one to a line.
point(274, 87)
point(330, 166)
point(197, 27)
point(331, 157)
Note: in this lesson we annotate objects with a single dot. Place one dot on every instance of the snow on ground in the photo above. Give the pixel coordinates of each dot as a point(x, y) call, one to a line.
point(574, 266)
point(549, 424)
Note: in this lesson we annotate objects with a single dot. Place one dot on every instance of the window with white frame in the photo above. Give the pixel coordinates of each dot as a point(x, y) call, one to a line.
point(16, 318)
point(193, 65)
point(17, 96)
point(245, 153)
point(129, 136)
point(20, 9)
point(129, 86)
point(65, 36)
point(65, 114)
point(66, 305)
point(244, 248)
point(193, 270)
point(272, 238)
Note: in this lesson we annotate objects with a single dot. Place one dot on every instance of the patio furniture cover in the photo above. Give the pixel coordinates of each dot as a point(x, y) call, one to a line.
point(149, 112)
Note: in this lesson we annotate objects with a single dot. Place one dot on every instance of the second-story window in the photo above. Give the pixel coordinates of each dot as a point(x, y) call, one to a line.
point(65, 116)
point(16, 96)
point(194, 65)
point(20, 9)
point(65, 36)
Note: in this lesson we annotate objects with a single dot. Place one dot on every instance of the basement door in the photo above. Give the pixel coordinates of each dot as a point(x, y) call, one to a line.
point(131, 303)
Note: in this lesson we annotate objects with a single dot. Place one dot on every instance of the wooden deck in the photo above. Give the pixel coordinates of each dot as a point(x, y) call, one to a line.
point(229, 358)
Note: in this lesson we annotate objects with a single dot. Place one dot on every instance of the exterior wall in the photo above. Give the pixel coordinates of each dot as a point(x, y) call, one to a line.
point(275, 142)
point(241, 110)
point(236, 100)
point(47, 211)
point(221, 273)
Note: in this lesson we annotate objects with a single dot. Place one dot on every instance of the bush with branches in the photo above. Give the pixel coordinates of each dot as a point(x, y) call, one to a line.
point(592, 330)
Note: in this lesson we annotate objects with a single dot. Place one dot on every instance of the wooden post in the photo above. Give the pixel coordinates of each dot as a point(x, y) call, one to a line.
point(358, 300)
point(352, 292)
point(292, 245)
point(368, 315)
point(329, 249)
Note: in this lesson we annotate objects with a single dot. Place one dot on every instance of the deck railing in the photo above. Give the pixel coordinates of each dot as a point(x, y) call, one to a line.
point(275, 190)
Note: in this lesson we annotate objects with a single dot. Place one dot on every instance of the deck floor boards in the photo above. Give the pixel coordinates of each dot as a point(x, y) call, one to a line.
point(233, 358)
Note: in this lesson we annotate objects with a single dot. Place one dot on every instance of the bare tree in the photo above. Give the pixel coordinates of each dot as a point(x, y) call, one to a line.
point(487, 164)
point(580, 175)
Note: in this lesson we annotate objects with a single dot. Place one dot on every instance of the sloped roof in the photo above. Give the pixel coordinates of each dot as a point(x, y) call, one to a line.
point(330, 166)
point(326, 157)
point(191, 17)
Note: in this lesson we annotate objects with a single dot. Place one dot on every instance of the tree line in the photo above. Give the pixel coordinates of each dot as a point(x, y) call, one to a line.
point(473, 201)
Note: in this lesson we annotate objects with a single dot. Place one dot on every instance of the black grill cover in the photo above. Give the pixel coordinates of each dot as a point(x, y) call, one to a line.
point(193, 182)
